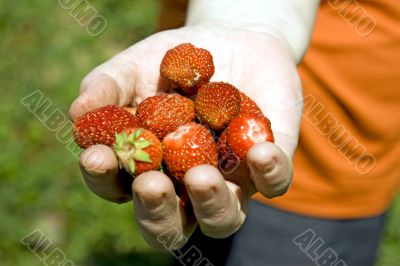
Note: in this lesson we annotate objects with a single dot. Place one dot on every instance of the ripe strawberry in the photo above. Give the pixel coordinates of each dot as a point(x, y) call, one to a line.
point(248, 106)
point(99, 126)
point(222, 146)
point(228, 160)
point(138, 150)
point(186, 67)
point(216, 104)
point(162, 114)
point(246, 130)
point(190, 145)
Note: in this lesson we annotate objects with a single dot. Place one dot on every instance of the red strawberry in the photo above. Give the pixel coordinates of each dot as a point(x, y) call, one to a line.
point(228, 160)
point(99, 126)
point(248, 106)
point(138, 150)
point(246, 130)
point(186, 67)
point(217, 103)
point(190, 145)
point(223, 147)
point(162, 114)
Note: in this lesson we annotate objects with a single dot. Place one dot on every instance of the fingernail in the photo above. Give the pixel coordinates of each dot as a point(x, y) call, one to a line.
point(92, 161)
point(265, 167)
point(202, 194)
point(150, 203)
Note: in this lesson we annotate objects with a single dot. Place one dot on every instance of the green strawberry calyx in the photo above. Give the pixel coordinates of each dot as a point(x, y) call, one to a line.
point(129, 149)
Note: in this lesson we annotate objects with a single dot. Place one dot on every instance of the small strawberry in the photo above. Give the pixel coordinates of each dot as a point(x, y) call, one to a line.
point(223, 147)
point(162, 114)
point(138, 150)
point(246, 130)
point(190, 145)
point(186, 67)
point(228, 161)
point(99, 126)
point(216, 104)
point(248, 106)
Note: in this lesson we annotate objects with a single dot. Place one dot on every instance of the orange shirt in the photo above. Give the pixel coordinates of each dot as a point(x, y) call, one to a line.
point(347, 164)
point(348, 160)
point(172, 14)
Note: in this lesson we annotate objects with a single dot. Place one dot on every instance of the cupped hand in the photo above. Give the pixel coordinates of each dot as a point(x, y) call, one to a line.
point(260, 65)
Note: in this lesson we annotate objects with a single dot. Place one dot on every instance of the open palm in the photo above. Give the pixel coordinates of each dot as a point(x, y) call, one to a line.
point(258, 64)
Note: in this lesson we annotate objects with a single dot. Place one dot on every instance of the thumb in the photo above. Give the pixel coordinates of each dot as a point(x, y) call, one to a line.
point(97, 91)
point(119, 81)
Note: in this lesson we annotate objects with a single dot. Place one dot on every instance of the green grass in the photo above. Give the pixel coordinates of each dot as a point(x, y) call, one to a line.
point(389, 253)
point(43, 48)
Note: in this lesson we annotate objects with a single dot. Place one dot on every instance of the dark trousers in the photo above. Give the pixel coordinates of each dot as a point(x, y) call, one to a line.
point(271, 237)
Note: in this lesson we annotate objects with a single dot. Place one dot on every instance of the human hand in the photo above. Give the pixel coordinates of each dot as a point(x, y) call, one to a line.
point(260, 65)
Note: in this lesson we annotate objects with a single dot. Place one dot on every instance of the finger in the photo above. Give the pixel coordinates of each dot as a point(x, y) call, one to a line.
point(161, 217)
point(270, 169)
point(217, 208)
point(99, 167)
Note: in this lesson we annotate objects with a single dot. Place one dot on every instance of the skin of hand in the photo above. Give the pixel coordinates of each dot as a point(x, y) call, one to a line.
point(260, 65)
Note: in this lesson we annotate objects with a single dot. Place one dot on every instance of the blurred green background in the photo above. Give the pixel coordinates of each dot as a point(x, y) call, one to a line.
point(44, 48)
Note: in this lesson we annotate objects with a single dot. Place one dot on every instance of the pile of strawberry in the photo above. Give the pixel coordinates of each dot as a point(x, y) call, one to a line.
point(174, 132)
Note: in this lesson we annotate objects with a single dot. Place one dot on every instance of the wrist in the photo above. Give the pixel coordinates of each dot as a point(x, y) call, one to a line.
point(289, 21)
point(248, 15)
point(219, 25)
